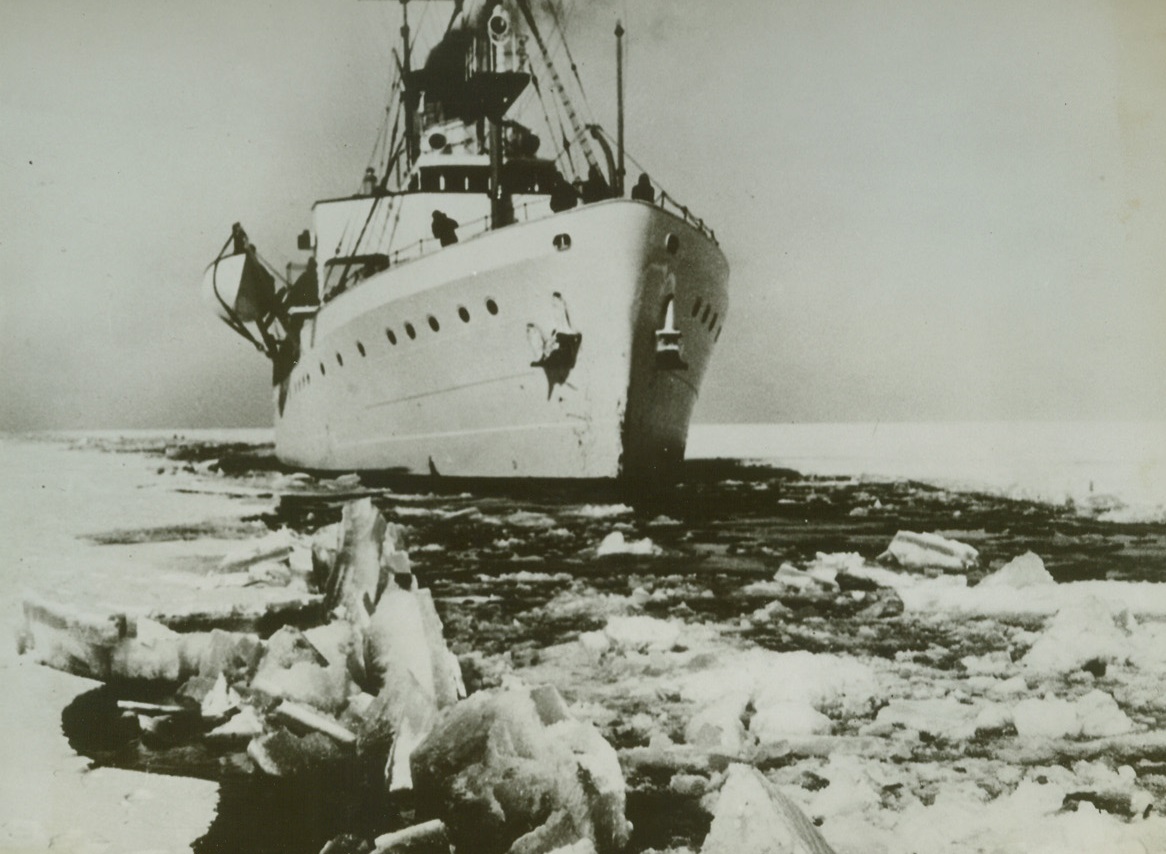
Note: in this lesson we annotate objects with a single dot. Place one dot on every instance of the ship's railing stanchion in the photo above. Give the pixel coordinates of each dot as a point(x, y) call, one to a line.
point(667, 202)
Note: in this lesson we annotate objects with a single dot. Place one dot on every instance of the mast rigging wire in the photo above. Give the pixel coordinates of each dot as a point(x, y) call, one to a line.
point(560, 28)
point(524, 7)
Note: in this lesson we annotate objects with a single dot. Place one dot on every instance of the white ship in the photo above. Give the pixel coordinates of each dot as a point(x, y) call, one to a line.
point(483, 308)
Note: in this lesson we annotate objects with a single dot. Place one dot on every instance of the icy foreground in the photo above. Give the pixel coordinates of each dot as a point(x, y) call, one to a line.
point(1021, 747)
point(1004, 698)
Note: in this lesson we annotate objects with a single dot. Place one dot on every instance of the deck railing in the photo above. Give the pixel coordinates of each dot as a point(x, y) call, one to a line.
point(665, 202)
point(522, 213)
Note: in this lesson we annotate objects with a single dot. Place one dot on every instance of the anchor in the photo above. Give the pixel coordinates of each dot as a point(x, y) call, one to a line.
point(555, 353)
point(668, 356)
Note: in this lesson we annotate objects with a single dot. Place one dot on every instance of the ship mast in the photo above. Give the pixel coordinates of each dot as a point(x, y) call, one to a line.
point(501, 213)
point(619, 174)
point(412, 143)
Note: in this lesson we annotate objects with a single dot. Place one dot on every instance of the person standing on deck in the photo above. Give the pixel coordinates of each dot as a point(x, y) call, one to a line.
point(239, 241)
point(642, 191)
point(595, 188)
point(368, 184)
point(563, 195)
point(444, 228)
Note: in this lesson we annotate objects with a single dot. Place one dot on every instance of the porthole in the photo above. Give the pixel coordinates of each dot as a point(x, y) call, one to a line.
point(696, 307)
point(392, 336)
point(433, 324)
point(562, 242)
point(717, 337)
point(410, 331)
point(322, 371)
point(716, 317)
point(360, 348)
point(463, 313)
point(704, 318)
point(340, 360)
point(671, 243)
point(491, 306)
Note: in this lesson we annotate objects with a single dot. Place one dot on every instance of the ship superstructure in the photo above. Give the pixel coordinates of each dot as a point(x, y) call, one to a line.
point(480, 308)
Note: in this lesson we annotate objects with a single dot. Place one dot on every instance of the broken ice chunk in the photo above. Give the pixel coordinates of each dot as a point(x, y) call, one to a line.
point(1082, 631)
point(929, 551)
point(718, 726)
point(615, 544)
point(505, 781)
point(753, 816)
point(276, 546)
point(1027, 570)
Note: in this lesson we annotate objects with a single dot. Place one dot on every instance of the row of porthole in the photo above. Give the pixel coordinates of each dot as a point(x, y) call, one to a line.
point(704, 316)
point(410, 330)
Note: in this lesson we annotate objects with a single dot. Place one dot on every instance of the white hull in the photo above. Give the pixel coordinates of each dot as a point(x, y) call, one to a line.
point(465, 401)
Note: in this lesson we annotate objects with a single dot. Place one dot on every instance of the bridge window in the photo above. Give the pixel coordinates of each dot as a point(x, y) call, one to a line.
point(453, 179)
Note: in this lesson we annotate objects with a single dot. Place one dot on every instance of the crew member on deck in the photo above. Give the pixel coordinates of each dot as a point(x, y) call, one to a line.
point(239, 241)
point(444, 228)
point(594, 188)
point(305, 290)
point(643, 191)
point(563, 195)
point(368, 185)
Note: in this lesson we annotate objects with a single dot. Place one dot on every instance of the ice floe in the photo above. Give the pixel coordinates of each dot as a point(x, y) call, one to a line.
point(922, 551)
point(602, 511)
point(615, 544)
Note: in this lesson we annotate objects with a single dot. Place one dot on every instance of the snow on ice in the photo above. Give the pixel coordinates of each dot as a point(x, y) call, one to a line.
point(994, 708)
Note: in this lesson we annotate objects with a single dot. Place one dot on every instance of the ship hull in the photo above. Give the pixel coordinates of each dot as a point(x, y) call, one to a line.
point(447, 364)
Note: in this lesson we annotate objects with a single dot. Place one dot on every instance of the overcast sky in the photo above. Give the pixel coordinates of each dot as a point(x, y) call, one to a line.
point(932, 210)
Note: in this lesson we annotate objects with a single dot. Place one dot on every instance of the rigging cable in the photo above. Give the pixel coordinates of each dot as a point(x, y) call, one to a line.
point(546, 116)
point(566, 142)
point(524, 6)
point(560, 27)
